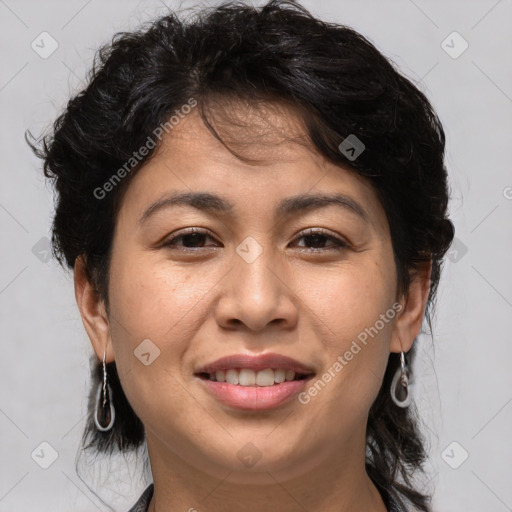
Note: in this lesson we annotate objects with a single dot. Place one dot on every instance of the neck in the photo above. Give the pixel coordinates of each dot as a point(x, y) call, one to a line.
point(331, 486)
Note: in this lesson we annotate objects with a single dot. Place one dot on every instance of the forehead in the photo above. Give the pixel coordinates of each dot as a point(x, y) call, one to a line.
point(259, 135)
point(277, 161)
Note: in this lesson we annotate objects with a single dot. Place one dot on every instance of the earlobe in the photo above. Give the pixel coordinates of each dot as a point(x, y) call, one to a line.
point(92, 311)
point(408, 324)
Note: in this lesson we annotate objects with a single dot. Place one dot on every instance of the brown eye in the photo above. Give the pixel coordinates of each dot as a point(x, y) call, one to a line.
point(318, 239)
point(192, 239)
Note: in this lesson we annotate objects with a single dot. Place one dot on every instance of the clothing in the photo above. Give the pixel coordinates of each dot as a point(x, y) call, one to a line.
point(143, 502)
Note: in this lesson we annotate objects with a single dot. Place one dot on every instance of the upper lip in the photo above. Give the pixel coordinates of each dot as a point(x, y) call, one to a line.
point(256, 363)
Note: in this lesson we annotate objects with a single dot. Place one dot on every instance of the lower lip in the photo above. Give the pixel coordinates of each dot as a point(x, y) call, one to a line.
point(255, 398)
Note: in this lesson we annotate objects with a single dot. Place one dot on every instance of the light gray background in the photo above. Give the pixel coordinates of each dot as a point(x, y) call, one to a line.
point(464, 383)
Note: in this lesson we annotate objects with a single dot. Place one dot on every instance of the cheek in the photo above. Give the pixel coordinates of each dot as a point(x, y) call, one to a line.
point(354, 309)
point(156, 300)
point(350, 298)
point(154, 309)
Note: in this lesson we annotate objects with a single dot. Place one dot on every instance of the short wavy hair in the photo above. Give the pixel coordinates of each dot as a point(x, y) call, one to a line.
point(338, 83)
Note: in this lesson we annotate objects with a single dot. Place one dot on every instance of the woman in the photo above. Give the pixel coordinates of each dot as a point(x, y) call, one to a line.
point(254, 204)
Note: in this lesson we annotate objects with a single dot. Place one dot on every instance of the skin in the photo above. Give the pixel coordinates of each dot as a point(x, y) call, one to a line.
point(293, 299)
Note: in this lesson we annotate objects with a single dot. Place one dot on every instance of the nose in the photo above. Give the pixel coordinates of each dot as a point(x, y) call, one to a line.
point(255, 294)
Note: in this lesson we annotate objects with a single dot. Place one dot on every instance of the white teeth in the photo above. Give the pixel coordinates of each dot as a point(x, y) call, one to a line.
point(247, 377)
point(232, 376)
point(279, 375)
point(265, 378)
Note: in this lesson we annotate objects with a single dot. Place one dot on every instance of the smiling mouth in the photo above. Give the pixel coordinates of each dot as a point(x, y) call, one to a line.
point(254, 389)
point(251, 378)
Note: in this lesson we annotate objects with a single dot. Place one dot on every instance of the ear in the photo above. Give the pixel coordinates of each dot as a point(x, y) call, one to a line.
point(413, 302)
point(93, 312)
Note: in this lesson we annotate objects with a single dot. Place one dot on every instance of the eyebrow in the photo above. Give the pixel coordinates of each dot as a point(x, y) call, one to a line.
point(214, 204)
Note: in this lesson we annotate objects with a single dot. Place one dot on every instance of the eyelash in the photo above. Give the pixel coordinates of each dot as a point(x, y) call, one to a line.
point(340, 244)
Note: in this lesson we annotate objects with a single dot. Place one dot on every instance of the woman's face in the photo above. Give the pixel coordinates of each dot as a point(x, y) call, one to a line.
point(268, 274)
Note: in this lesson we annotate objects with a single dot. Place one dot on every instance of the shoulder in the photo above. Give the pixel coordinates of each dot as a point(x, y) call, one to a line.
point(143, 501)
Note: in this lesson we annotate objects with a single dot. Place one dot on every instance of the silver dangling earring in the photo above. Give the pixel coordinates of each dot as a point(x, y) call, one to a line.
point(400, 387)
point(104, 412)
